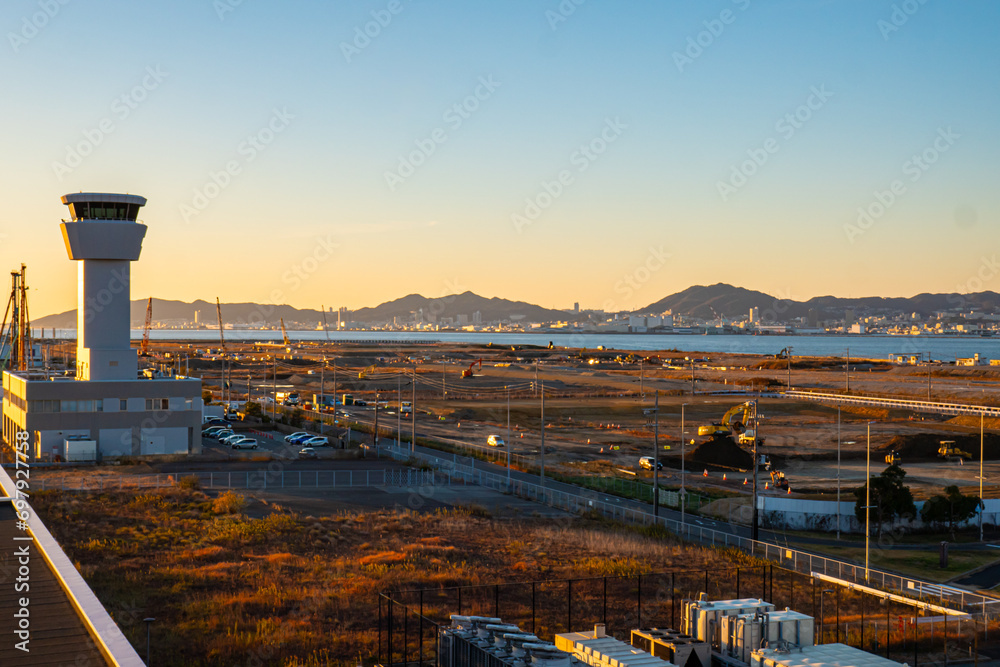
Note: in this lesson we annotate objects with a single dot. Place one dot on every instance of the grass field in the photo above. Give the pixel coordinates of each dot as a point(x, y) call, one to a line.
point(283, 589)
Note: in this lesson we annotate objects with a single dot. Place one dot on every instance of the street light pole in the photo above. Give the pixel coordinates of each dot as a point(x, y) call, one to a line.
point(413, 411)
point(754, 531)
point(789, 383)
point(838, 472)
point(683, 491)
point(541, 473)
point(399, 410)
point(508, 436)
point(656, 455)
point(868, 495)
point(982, 419)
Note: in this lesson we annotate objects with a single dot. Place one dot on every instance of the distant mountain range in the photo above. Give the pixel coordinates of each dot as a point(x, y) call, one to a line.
point(726, 301)
point(702, 302)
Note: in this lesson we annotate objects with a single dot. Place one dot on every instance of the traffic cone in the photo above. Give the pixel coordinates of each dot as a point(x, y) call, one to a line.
point(723, 477)
point(744, 481)
point(765, 486)
point(705, 474)
point(789, 490)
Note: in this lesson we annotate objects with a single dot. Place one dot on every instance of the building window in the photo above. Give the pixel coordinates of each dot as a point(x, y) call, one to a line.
point(122, 404)
point(157, 403)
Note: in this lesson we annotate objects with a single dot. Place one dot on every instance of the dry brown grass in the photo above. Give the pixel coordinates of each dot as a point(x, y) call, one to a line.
point(226, 587)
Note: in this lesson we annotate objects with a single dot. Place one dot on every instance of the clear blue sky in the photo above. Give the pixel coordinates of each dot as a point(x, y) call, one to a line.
point(315, 216)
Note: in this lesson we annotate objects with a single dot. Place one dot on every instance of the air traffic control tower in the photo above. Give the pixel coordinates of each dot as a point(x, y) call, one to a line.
point(105, 406)
point(104, 237)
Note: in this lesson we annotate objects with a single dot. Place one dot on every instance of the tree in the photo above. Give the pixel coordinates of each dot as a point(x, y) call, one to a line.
point(952, 508)
point(890, 499)
point(252, 409)
point(206, 396)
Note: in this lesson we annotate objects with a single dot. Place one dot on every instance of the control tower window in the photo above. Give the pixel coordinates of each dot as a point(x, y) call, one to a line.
point(104, 211)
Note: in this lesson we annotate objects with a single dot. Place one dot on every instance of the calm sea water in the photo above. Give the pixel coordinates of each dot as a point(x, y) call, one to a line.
point(872, 347)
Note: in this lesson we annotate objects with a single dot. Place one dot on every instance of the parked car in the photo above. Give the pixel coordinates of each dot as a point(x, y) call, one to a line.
point(495, 441)
point(212, 430)
point(360, 403)
point(229, 439)
point(318, 441)
point(647, 463)
point(224, 433)
point(244, 443)
point(308, 453)
point(215, 421)
point(293, 436)
point(299, 439)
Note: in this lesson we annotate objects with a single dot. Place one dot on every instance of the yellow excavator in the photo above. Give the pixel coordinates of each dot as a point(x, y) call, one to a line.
point(730, 425)
point(893, 458)
point(948, 450)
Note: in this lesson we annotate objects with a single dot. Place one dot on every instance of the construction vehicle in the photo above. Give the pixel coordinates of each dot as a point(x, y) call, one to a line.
point(144, 348)
point(778, 480)
point(730, 425)
point(365, 372)
point(893, 458)
point(467, 373)
point(785, 353)
point(284, 334)
point(948, 450)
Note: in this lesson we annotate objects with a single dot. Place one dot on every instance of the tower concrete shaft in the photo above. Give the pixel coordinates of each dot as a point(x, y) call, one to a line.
point(104, 236)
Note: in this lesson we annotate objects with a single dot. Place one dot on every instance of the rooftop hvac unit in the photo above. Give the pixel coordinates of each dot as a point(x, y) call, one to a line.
point(485, 641)
point(702, 616)
point(599, 650)
point(827, 655)
point(742, 635)
point(673, 646)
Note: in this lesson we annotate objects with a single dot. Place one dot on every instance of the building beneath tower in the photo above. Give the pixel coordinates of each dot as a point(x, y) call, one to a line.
point(105, 402)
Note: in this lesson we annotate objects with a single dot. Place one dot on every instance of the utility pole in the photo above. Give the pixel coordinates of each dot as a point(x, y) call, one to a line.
point(274, 385)
point(642, 366)
point(322, 394)
point(541, 474)
point(789, 382)
point(444, 380)
point(847, 370)
point(928, 377)
point(375, 430)
point(399, 407)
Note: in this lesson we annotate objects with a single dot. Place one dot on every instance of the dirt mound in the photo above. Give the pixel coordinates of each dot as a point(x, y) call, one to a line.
point(924, 446)
point(723, 452)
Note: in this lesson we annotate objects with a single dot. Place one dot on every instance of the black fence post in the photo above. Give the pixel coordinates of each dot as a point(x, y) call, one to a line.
point(673, 591)
point(763, 582)
point(887, 631)
point(706, 582)
point(737, 583)
point(379, 628)
point(389, 656)
point(496, 600)
point(406, 634)
point(421, 626)
point(533, 606)
point(569, 606)
point(604, 613)
point(638, 605)
point(459, 600)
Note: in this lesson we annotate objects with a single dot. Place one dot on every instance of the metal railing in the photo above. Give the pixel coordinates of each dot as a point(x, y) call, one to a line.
point(793, 559)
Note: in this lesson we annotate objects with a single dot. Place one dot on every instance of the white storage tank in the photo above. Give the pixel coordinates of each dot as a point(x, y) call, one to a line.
point(742, 635)
point(702, 617)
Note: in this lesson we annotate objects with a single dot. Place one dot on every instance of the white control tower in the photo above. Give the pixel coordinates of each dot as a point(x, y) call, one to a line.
point(104, 236)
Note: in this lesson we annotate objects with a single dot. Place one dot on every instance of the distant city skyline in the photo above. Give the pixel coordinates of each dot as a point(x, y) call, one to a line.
point(554, 152)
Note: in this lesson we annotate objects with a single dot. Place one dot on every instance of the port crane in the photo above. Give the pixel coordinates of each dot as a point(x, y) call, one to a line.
point(144, 348)
point(284, 334)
